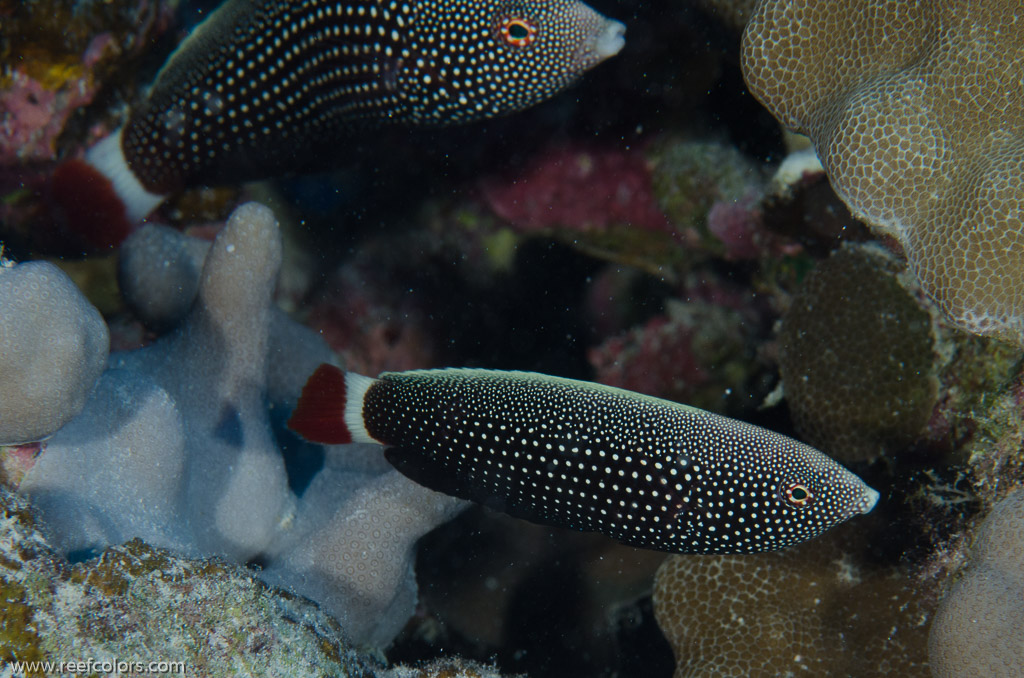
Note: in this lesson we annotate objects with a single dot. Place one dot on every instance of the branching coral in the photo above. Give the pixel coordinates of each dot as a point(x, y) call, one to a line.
point(917, 114)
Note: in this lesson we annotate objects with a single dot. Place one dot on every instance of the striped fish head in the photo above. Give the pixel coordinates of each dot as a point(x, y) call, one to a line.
point(471, 59)
point(764, 492)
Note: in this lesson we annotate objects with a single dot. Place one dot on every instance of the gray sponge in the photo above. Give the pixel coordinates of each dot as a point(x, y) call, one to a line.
point(158, 273)
point(53, 347)
point(977, 630)
point(178, 443)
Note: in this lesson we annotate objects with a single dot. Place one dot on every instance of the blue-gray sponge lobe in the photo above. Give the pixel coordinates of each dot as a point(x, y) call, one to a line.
point(269, 86)
point(649, 472)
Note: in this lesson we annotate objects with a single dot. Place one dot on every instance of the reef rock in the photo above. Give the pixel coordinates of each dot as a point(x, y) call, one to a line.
point(669, 356)
point(135, 604)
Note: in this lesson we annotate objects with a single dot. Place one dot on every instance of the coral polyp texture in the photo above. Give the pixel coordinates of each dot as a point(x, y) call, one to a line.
point(977, 629)
point(53, 347)
point(917, 114)
point(810, 610)
point(857, 356)
point(178, 445)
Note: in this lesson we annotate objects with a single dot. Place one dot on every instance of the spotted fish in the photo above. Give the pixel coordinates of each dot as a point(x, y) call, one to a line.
point(262, 87)
point(648, 472)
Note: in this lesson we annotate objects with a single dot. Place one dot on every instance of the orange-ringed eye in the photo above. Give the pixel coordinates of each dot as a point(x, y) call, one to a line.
point(798, 494)
point(518, 32)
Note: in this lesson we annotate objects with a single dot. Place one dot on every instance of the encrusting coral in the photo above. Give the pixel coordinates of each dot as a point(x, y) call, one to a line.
point(186, 432)
point(917, 114)
point(860, 378)
point(53, 347)
point(977, 629)
point(809, 610)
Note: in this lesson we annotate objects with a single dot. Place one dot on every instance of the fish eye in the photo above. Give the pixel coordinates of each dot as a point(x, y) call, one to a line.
point(518, 32)
point(798, 494)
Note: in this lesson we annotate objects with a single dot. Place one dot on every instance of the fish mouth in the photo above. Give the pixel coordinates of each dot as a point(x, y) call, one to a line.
point(868, 501)
point(604, 38)
point(611, 40)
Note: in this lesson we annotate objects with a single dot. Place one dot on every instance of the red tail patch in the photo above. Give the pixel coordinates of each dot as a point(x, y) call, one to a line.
point(90, 206)
point(320, 415)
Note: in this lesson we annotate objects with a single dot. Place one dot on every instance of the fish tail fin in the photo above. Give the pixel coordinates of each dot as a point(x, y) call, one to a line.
point(330, 409)
point(101, 199)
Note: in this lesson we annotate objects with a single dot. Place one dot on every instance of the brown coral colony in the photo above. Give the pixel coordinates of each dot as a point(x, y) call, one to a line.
point(916, 112)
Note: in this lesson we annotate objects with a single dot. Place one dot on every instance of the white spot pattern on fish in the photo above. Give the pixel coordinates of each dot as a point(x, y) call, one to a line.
point(649, 472)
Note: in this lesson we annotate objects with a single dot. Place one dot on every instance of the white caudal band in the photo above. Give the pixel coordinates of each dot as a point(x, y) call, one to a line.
point(108, 158)
point(356, 386)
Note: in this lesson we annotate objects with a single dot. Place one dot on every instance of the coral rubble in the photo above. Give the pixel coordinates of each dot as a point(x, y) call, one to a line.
point(135, 604)
point(916, 113)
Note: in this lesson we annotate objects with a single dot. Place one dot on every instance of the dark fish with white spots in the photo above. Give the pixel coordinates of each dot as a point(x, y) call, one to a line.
point(263, 87)
point(648, 472)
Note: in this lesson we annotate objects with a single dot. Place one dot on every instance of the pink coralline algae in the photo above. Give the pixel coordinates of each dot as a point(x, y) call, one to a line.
point(577, 189)
point(656, 358)
point(52, 62)
point(57, 57)
point(32, 113)
point(738, 226)
point(696, 353)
